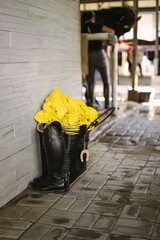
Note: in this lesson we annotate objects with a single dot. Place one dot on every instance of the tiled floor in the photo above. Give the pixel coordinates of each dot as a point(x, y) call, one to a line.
point(117, 198)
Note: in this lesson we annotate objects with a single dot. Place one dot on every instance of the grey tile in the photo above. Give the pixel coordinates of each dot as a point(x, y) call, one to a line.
point(131, 227)
point(64, 203)
point(35, 232)
point(79, 205)
point(35, 202)
point(104, 195)
point(14, 223)
point(85, 195)
point(14, 211)
point(131, 231)
point(130, 211)
point(61, 213)
point(156, 232)
point(87, 234)
point(104, 208)
point(33, 213)
point(10, 233)
point(118, 237)
point(55, 233)
point(104, 223)
point(56, 220)
point(86, 220)
point(148, 214)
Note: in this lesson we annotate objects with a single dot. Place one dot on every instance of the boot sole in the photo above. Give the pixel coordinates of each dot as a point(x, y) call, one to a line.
point(60, 191)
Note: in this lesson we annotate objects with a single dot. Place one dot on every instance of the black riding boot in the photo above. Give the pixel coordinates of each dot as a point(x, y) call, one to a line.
point(43, 156)
point(57, 180)
point(106, 96)
point(90, 95)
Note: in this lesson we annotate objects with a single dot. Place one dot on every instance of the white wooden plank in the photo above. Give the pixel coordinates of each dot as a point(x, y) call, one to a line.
point(31, 160)
point(31, 41)
point(11, 116)
point(15, 101)
point(6, 134)
point(12, 70)
point(43, 15)
point(15, 145)
point(16, 161)
point(8, 55)
point(14, 189)
point(4, 39)
point(8, 178)
point(43, 4)
point(14, 8)
point(13, 23)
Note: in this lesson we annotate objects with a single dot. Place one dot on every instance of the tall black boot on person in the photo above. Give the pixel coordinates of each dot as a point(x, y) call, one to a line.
point(57, 180)
point(106, 97)
point(90, 95)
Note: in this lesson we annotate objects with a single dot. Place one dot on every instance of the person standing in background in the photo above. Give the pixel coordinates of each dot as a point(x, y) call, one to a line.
point(97, 59)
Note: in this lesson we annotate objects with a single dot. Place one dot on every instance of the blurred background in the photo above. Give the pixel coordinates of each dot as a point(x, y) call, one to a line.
point(147, 69)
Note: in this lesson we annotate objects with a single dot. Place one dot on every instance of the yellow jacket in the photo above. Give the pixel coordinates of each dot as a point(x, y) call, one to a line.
point(66, 110)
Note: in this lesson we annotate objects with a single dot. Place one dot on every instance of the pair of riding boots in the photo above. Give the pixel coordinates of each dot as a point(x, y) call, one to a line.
point(59, 153)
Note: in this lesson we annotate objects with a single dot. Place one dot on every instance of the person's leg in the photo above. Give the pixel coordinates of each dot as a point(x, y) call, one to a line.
point(103, 68)
point(140, 69)
point(129, 66)
point(90, 79)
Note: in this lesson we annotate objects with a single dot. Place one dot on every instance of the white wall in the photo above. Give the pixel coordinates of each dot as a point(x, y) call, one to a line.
point(39, 51)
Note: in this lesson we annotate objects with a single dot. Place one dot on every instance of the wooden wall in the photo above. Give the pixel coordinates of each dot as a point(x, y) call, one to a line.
point(39, 51)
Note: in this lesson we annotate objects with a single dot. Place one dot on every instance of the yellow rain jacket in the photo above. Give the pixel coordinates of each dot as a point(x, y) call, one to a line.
point(66, 110)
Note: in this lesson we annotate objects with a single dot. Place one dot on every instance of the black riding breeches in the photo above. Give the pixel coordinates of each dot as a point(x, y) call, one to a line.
point(98, 61)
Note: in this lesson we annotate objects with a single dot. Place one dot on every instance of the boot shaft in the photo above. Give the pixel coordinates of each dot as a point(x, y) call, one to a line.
point(55, 148)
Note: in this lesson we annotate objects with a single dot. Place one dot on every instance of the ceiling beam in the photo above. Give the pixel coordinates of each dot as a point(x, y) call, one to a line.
point(147, 9)
point(140, 9)
point(102, 1)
